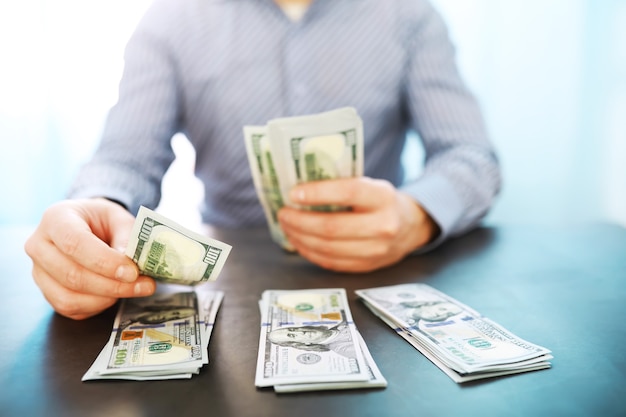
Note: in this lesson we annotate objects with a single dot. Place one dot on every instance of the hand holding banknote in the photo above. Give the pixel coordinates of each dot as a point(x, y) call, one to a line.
point(382, 226)
point(171, 253)
point(78, 258)
point(308, 173)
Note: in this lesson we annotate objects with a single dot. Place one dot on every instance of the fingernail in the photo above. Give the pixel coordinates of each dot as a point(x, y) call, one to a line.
point(126, 273)
point(143, 288)
point(297, 195)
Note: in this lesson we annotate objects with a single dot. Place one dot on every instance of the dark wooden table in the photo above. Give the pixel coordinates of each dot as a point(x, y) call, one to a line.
point(560, 287)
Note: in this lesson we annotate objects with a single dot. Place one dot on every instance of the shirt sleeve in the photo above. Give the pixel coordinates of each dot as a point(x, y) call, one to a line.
point(135, 148)
point(461, 175)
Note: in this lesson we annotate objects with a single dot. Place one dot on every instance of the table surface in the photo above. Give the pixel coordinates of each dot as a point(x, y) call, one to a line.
point(560, 287)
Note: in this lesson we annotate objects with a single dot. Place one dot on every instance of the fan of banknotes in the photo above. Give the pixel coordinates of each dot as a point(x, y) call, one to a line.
point(292, 150)
point(308, 342)
point(164, 336)
point(465, 345)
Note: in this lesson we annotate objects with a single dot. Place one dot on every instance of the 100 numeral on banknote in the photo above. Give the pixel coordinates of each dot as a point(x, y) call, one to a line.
point(170, 253)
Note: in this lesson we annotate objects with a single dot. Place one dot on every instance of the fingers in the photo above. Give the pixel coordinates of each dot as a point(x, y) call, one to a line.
point(350, 257)
point(338, 225)
point(372, 213)
point(383, 226)
point(116, 227)
point(348, 242)
point(91, 254)
point(77, 292)
point(361, 193)
point(79, 305)
point(75, 277)
point(345, 255)
point(73, 263)
point(70, 303)
point(83, 235)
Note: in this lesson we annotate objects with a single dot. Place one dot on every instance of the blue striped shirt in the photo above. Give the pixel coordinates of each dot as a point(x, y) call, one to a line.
point(206, 68)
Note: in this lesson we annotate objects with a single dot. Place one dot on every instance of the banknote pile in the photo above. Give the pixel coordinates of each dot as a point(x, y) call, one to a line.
point(164, 336)
point(465, 345)
point(292, 150)
point(171, 253)
point(308, 342)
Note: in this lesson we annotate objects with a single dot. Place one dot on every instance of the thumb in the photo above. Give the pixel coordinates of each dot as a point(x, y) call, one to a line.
point(120, 230)
point(117, 224)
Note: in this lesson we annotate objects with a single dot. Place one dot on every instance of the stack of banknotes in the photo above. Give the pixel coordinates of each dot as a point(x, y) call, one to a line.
point(292, 150)
point(165, 336)
point(308, 342)
point(465, 345)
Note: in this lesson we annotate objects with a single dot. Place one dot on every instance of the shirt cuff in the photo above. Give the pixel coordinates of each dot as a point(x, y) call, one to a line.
point(441, 201)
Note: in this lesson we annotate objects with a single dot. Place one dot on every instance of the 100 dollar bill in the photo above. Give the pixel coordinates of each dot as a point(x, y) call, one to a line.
point(317, 147)
point(266, 181)
point(292, 150)
point(458, 336)
point(376, 378)
point(169, 252)
point(163, 336)
point(308, 336)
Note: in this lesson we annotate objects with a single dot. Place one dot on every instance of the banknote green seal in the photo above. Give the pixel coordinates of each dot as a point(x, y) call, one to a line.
point(160, 347)
point(479, 343)
point(304, 307)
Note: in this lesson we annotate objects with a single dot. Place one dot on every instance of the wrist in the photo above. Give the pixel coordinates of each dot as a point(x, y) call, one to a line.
point(112, 200)
point(423, 228)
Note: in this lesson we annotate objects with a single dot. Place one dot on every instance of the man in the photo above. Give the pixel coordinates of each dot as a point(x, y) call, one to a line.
point(207, 68)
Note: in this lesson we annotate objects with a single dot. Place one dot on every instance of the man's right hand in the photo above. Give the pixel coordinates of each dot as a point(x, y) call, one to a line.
point(78, 257)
